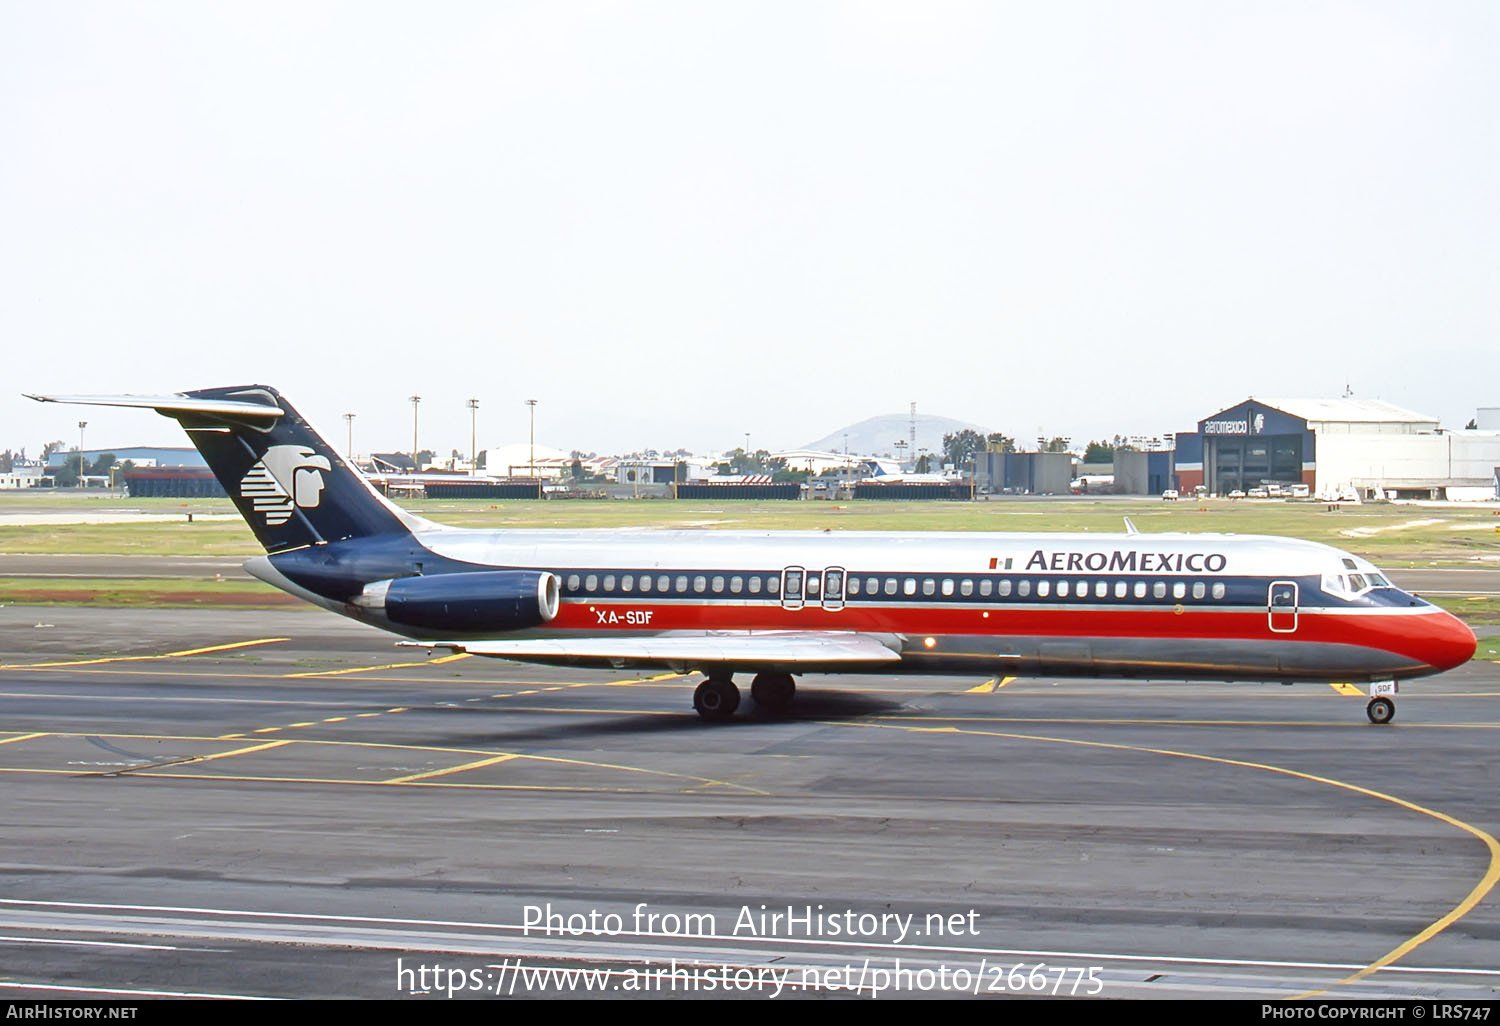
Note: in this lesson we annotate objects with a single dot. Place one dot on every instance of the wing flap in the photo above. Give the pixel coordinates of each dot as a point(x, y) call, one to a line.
point(781, 650)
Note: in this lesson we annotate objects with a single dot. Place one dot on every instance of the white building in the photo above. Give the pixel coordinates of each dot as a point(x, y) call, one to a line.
point(1332, 445)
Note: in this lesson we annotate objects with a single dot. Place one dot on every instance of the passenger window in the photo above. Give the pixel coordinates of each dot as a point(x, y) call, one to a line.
point(573, 582)
point(1004, 586)
point(1023, 588)
point(1199, 589)
point(664, 583)
point(812, 584)
point(591, 582)
point(773, 585)
point(1043, 589)
point(1159, 589)
point(966, 587)
point(890, 586)
point(929, 586)
point(754, 585)
point(1120, 588)
point(1140, 589)
point(985, 587)
point(1219, 589)
point(1062, 589)
point(736, 584)
point(609, 582)
point(1179, 591)
point(854, 585)
point(627, 582)
point(682, 584)
point(835, 589)
point(947, 586)
point(910, 587)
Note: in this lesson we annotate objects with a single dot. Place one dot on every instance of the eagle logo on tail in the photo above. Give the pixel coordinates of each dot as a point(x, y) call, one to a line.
point(284, 476)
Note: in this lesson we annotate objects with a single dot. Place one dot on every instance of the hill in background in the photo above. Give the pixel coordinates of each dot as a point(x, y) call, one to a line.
point(877, 436)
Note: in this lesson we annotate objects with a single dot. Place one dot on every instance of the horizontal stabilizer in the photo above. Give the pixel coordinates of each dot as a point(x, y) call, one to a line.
point(742, 649)
point(171, 405)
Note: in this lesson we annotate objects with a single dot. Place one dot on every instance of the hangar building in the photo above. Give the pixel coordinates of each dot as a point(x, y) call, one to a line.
point(1368, 445)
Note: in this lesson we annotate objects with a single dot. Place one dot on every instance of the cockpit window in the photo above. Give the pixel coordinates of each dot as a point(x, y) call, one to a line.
point(1356, 583)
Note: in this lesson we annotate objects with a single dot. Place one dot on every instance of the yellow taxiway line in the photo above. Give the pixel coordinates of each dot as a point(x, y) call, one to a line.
point(143, 658)
point(371, 669)
point(1477, 894)
point(477, 764)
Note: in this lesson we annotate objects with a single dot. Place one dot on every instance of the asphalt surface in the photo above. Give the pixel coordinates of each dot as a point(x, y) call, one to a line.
point(312, 812)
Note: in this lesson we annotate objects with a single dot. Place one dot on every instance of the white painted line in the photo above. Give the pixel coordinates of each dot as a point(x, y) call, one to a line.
point(57, 988)
point(89, 944)
point(785, 941)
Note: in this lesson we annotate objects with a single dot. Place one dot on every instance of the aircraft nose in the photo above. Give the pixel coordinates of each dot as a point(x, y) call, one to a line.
point(1453, 644)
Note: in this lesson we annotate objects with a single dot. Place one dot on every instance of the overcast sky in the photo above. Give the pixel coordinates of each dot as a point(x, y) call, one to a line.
point(673, 223)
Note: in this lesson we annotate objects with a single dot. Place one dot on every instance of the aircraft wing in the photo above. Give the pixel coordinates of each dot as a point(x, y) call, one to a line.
point(783, 651)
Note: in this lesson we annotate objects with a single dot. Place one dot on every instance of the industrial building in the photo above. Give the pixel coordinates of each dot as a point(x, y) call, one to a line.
point(1023, 473)
point(1369, 446)
point(140, 455)
point(172, 483)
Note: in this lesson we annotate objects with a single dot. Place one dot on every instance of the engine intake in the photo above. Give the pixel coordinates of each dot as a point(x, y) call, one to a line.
point(491, 600)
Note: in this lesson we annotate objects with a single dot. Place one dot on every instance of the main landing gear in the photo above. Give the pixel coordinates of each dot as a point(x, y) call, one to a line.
point(717, 698)
point(1382, 707)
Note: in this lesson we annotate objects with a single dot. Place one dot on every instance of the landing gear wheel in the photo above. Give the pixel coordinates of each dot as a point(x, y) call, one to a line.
point(716, 699)
point(1381, 710)
point(773, 692)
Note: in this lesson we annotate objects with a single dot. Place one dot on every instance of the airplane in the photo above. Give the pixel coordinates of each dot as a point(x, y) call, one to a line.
point(779, 605)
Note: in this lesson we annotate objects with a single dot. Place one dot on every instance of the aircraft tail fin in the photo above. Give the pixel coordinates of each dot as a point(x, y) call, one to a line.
point(291, 486)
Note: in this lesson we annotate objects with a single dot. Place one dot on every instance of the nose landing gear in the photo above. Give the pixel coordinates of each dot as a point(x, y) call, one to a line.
point(1382, 707)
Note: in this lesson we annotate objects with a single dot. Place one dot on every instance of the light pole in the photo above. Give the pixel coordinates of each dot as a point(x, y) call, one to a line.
point(81, 425)
point(532, 404)
point(473, 437)
point(349, 449)
point(416, 401)
point(901, 453)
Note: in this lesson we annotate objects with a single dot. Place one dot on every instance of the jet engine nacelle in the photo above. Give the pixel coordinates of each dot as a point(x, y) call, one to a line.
point(492, 600)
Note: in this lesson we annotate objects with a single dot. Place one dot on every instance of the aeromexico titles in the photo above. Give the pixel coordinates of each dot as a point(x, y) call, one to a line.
point(779, 604)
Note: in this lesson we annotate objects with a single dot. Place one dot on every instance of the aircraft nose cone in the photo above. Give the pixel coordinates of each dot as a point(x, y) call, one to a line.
point(1454, 643)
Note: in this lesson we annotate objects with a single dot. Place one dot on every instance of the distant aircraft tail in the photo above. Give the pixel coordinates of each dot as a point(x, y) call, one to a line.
point(290, 485)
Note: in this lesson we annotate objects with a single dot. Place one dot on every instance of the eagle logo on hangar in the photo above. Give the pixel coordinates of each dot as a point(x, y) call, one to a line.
point(285, 475)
